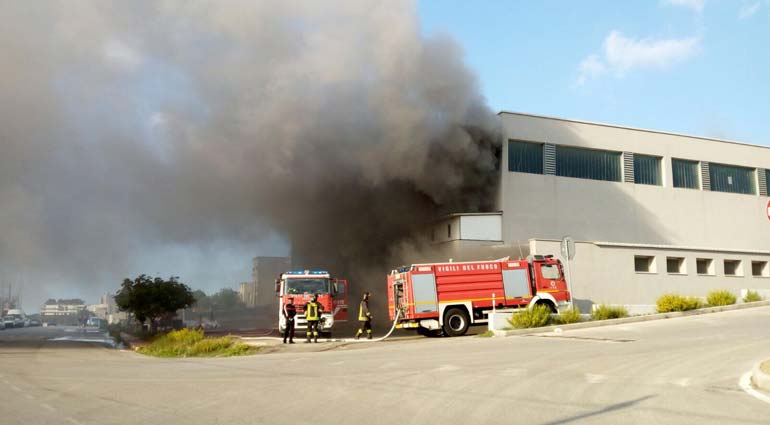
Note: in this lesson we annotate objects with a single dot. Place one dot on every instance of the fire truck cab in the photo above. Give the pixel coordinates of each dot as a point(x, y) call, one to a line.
point(300, 285)
point(449, 297)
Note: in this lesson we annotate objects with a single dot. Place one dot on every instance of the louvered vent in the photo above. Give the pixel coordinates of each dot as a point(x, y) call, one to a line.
point(705, 175)
point(762, 175)
point(549, 159)
point(628, 167)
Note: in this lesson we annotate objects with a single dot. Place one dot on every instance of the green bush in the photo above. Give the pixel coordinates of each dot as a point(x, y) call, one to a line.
point(569, 316)
point(675, 302)
point(535, 317)
point(717, 298)
point(752, 296)
point(604, 312)
point(192, 343)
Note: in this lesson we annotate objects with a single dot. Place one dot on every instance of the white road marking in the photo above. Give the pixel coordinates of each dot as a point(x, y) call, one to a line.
point(73, 421)
point(337, 363)
point(745, 384)
point(684, 382)
point(48, 407)
point(446, 368)
point(593, 378)
point(15, 388)
point(513, 371)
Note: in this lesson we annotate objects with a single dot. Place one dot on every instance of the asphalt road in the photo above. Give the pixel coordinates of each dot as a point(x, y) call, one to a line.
point(675, 371)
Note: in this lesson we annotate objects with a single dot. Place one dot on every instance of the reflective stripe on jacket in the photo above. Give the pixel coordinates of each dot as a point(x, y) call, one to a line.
point(311, 310)
point(363, 312)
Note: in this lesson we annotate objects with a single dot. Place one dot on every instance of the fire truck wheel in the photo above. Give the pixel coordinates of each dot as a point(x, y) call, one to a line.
point(455, 322)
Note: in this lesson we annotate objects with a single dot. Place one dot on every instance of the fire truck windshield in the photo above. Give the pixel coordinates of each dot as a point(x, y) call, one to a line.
point(307, 286)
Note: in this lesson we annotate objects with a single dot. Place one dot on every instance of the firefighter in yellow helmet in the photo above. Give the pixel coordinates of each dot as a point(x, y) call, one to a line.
point(364, 317)
point(313, 311)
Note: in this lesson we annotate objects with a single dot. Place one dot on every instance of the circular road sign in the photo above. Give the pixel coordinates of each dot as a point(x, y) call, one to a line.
point(768, 210)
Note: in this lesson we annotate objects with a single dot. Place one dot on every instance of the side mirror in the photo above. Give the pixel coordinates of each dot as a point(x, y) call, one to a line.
point(335, 289)
point(277, 287)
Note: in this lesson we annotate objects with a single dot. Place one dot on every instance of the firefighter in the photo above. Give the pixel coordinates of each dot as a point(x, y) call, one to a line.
point(364, 317)
point(313, 311)
point(289, 311)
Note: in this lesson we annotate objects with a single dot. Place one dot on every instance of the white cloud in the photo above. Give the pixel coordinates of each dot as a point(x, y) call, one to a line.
point(121, 55)
point(694, 5)
point(621, 55)
point(748, 10)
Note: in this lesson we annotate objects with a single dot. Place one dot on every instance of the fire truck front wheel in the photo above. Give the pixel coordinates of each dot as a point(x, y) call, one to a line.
point(456, 322)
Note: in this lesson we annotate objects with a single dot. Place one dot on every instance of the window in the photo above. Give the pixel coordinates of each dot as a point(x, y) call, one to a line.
point(675, 265)
point(686, 173)
point(767, 179)
point(732, 179)
point(760, 269)
point(733, 268)
point(525, 157)
point(550, 271)
point(644, 264)
point(647, 169)
point(587, 163)
point(705, 266)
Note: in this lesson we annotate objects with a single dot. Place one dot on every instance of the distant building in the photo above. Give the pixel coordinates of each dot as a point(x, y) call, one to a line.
point(248, 293)
point(264, 272)
point(62, 311)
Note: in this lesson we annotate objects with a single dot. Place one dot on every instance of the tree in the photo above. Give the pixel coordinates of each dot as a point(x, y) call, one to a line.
point(226, 299)
point(153, 298)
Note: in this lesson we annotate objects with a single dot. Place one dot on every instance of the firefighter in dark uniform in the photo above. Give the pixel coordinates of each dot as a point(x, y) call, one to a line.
point(313, 311)
point(289, 311)
point(364, 318)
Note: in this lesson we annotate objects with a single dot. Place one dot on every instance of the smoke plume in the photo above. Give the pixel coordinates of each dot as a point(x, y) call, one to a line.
point(131, 127)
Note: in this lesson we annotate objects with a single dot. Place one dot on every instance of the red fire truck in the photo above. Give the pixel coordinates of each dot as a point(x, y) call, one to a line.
point(449, 297)
point(301, 285)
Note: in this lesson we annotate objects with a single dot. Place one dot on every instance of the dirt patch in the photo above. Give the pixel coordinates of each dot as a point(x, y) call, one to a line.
point(765, 367)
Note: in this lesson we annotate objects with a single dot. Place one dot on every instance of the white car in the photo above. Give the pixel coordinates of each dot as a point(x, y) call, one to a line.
point(9, 322)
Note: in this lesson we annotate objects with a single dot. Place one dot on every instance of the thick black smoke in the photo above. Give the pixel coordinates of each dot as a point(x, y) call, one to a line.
point(130, 126)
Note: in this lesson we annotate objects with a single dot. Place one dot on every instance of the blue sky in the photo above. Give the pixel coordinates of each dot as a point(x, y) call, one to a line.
point(698, 67)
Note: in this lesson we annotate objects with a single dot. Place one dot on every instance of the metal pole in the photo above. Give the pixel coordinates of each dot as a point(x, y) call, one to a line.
point(569, 283)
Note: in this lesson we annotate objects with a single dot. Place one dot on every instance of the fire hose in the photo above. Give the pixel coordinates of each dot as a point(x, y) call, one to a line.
point(392, 328)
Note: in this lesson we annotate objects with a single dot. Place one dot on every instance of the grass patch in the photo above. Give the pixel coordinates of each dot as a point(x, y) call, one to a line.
point(537, 316)
point(605, 312)
point(487, 334)
point(192, 343)
point(569, 316)
point(718, 298)
point(752, 296)
point(675, 302)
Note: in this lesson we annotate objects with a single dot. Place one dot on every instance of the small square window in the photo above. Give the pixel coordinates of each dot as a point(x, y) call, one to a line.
point(760, 269)
point(644, 264)
point(733, 268)
point(705, 266)
point(676, 265)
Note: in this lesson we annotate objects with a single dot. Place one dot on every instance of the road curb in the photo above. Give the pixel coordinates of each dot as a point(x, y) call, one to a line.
point(760, 379)
point(634, 319)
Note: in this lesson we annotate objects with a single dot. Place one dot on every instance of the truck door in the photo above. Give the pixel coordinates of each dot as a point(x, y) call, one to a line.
point(424, 293)
point(340, 300)
point(548, 278)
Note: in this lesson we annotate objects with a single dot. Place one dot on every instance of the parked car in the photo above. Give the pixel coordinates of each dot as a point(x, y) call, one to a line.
point(33, 322)
point(2, 324)
point(9, 322)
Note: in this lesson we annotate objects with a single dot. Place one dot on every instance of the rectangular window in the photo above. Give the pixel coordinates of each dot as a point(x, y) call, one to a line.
point(588, 163)
point(644, 264)
point(525, 157)
point(732, 179)
point(647, 169)
point(733, 268)
point(705, 266)
point(675, 265)
point(686, 173)
point(760, 269)
point(767, 179)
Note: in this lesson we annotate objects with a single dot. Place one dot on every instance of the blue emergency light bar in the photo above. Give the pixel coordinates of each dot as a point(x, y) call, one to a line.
point(307, 272)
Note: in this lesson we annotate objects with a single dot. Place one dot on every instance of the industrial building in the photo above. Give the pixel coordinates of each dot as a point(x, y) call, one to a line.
point(652, 212)
point(260, 291)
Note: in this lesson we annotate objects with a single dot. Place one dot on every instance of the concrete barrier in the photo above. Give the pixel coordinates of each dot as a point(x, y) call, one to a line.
point(633, 319)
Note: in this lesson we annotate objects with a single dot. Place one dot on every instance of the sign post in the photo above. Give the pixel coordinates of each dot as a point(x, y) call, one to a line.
point(568, 252)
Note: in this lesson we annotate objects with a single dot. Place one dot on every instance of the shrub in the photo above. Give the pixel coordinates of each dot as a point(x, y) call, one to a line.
point(717, 298)
point(675, 302)
point(192, 343)
point(569, 316)
point(537, 316)
point(604, 312)
point(752, 296)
